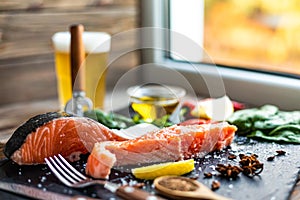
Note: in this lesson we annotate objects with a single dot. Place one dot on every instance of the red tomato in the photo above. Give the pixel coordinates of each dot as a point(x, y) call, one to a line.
point(238, 106)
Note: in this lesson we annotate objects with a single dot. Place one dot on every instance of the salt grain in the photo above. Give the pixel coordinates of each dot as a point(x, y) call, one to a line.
point(207, 156)
point(212, 167)
point(43, 179)
point(123, 181)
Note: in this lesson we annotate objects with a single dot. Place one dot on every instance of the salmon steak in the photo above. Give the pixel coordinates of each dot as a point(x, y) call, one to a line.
point(173, 143)
point(55, 133)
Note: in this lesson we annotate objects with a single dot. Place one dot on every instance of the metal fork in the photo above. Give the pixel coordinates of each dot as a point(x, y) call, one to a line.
point(69, 176)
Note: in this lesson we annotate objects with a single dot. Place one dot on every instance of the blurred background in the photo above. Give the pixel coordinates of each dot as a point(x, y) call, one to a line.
point(257, 34)
point(253, 34)
point(27, 69)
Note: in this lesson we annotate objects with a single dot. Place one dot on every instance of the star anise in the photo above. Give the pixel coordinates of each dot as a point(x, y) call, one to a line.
point(228, 171)
point(251, 165)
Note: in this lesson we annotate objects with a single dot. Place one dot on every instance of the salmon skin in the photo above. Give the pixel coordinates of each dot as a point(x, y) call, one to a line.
point(168, 144)
point(55, 133)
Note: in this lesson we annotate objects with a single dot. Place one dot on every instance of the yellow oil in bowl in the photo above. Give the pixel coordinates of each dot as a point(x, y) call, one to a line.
point(153, 101)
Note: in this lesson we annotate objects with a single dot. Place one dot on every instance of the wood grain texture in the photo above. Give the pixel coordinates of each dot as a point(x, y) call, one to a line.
point(27, 79)
point(29, 33)
point(42, 4)
point(295, 194)
point(27, 71)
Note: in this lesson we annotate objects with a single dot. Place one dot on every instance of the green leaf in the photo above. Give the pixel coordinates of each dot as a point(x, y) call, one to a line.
point(287, 133)
point(113, 121)
point(269, 123)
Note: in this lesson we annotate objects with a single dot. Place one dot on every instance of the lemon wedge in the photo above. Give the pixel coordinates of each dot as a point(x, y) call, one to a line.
point(218, 109)
point(170, 168)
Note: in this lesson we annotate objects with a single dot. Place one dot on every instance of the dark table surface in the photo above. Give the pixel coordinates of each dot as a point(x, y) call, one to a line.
point(279, 179)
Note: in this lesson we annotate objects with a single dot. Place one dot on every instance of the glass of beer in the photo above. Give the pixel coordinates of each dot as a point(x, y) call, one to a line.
point(97, 47)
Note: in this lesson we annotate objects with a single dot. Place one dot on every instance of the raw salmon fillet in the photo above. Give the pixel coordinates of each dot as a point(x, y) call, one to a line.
point(168, 144)
point(54, 133)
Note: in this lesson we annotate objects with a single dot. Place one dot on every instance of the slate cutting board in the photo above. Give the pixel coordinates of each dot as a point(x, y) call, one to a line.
point(275, 182)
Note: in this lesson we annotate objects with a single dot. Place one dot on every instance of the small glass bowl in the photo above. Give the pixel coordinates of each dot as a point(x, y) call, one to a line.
point(154, 101)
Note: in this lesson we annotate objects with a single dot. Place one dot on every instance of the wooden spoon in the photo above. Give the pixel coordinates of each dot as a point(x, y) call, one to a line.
point(178, 187)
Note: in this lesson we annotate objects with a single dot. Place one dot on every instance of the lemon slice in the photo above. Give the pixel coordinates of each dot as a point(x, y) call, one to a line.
point(169, 168)
point(218, 109)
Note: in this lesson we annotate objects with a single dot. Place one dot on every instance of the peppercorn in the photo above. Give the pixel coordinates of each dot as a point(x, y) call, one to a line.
point(231, 156)
point(208, 175)
point(270, 158)
point(280, 153)
point(215, 185)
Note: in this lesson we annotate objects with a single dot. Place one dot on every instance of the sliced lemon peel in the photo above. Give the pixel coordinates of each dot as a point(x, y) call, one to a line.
point(170, 168)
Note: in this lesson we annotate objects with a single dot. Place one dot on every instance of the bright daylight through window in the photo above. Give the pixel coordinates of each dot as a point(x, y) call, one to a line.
point(257, 34)
point(251, 45)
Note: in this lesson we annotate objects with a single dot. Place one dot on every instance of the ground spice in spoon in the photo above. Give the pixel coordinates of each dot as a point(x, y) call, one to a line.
point(178, 184)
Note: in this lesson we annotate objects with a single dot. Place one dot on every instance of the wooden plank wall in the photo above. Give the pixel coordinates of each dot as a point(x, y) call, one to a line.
point(27, 70)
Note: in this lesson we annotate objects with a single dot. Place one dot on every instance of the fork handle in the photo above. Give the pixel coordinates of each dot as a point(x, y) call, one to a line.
point(132, 193)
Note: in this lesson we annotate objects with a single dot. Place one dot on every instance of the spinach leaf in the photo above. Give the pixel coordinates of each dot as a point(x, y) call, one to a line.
point(269, 123)
point(111, 120)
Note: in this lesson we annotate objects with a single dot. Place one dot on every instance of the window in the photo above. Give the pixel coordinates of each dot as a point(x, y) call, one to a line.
point(260, 34)
point(257, 86)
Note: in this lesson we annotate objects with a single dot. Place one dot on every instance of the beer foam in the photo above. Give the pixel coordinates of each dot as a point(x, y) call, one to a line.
point(94, 42)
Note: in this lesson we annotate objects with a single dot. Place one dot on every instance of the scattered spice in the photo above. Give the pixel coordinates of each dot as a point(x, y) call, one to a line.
point(280, 153)
point(251, 165)
point(270, 158)
point(231, 156)
point(208, 175)
point(194, 176)
point(228, 171)
point(215, 185)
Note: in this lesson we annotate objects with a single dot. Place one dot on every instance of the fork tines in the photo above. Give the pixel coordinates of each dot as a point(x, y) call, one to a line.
point(65, 172)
